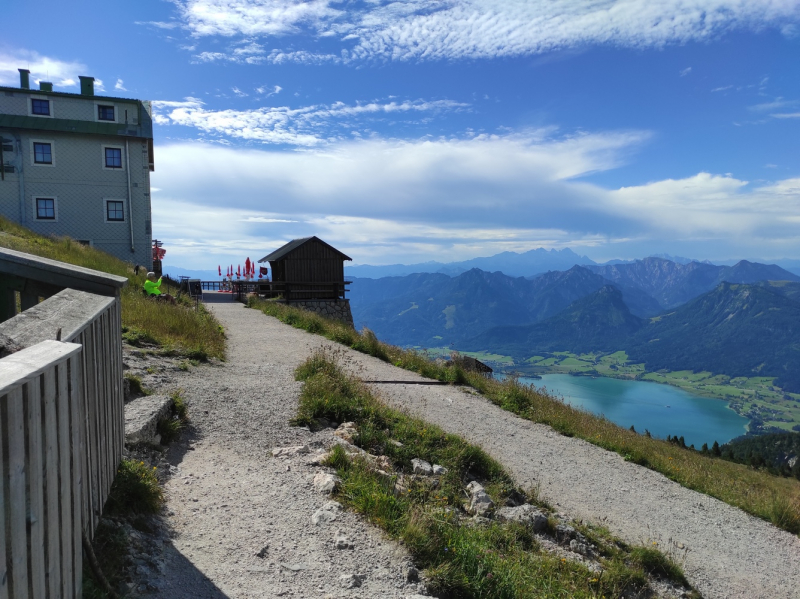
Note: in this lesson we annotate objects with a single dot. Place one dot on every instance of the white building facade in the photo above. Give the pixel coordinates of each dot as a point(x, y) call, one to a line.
point(78, 165)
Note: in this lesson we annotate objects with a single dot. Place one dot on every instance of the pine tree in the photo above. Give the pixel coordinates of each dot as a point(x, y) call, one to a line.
point(715, 449)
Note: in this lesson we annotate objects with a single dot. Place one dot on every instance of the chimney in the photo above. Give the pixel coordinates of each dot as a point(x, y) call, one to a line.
point(45, 86)
point(87, 86)
point(24, 78)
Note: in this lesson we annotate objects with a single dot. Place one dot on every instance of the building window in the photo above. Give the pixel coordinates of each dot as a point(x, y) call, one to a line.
point(40, 107)
point(105, 113)
point(45, 209)
point(115, 211)
point(42, 153)
point(113, 157)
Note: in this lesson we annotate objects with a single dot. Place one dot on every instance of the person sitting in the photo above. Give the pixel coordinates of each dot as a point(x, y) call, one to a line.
point(153, 288)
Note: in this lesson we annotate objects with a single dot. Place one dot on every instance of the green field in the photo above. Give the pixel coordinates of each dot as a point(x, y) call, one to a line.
point(755, 398)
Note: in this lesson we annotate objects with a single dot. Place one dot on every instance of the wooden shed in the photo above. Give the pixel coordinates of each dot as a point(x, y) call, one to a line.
point(307, 268)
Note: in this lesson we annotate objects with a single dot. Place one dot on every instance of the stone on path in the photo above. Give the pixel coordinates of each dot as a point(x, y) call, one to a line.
point(325, 482)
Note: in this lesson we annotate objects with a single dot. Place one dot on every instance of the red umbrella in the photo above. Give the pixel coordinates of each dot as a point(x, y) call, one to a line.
point(247, 265)
point(219, 269)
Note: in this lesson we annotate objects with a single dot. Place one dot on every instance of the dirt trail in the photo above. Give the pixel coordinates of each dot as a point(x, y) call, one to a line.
point(241, 409)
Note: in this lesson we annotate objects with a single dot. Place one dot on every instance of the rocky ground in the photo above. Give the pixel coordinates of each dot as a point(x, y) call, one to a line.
point(241, 523)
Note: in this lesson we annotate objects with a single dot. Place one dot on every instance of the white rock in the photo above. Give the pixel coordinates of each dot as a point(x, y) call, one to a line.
point(421, 467)
point(480, 503)
point(526, 514)
point(439, 470)
point(346, 431)
point(474, 486)
point(322, 517)
point(282, 452)
point(326, 483)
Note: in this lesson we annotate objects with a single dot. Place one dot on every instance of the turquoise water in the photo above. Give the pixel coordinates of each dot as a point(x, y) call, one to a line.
point(661, 409)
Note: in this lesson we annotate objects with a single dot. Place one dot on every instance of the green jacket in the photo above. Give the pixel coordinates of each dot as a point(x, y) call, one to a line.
point(152, 288)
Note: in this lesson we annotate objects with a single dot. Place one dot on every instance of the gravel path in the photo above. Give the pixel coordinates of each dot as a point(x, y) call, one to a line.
point(241, 519)
point(243, 500)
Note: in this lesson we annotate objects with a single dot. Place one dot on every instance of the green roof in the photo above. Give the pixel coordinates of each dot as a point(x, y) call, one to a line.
point(13, 121)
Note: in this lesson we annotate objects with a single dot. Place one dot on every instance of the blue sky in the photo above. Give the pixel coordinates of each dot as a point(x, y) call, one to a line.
point(437, 130)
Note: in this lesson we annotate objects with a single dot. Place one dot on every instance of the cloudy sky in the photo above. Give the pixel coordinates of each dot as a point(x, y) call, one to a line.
point(414, 130)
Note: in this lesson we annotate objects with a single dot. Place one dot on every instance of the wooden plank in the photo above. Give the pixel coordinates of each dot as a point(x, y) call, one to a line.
point(31, 362)
point(3, 479)
point(18, 562)
point(62, 404)
point(68, 310)
point(76, 477)
point(53, 525)
point(88, 499)
point(35, 482)
point(93, 437)
point(60, 274)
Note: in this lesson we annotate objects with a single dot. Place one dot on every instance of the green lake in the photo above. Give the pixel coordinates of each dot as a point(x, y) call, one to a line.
point(661, 409)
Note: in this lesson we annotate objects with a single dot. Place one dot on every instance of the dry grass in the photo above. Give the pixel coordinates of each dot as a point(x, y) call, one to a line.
point(773, 498)
point(178, 329)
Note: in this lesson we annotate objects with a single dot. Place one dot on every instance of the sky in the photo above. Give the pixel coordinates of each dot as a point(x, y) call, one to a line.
point(407, 131)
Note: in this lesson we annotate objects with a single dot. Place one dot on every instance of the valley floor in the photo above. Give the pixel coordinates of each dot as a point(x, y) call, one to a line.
point(230, 499)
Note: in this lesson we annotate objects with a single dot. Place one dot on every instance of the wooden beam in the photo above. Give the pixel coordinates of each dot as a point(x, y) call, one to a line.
point(68, 310)
point(60, 274)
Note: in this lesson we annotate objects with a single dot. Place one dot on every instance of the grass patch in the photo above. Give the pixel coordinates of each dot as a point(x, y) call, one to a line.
point(146, 322)
point(752, 490)
point(135, 490)
point(461, 559)
point(137, 388)
point(170, 428)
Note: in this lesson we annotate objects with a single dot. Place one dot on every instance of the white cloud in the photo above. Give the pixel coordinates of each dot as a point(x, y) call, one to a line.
point(685, 71)
point(394, 201)
point(119, 86)
point(774, 105)
point(721, 89)
point(445, 29)
point(786, 115)
point(239, 92)
point(305, 126)
point(263, 90)
point(43, 68)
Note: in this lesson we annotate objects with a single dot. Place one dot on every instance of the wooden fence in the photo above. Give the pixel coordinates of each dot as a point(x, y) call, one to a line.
point(88, 400)
point(42, 472)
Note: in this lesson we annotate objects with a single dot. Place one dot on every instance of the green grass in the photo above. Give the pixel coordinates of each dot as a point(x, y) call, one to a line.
point(135, 490)
point(754, 491)
point(176, 329)
point(489, 561)
point(170, 427)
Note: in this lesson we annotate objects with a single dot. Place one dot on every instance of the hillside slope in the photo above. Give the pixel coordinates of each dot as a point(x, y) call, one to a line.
point(600, 321)
point(738, 330)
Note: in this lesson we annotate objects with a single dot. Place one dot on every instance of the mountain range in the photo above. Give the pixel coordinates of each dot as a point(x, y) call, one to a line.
point(510, 263)
point(434, 309)
point(740, 320)
point(735, 329)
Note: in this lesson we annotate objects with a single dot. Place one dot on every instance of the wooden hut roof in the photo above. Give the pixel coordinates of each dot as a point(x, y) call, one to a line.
point(287, 249)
